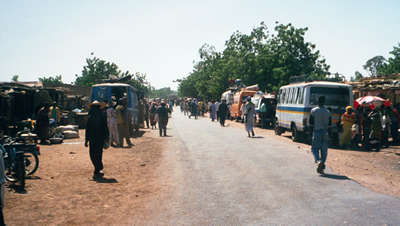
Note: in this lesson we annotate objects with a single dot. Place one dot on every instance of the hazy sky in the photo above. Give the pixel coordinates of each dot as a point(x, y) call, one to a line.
point(161, 38)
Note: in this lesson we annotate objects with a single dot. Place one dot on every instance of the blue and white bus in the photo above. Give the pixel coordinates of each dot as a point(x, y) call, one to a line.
point(295, 102)
point(106, 92)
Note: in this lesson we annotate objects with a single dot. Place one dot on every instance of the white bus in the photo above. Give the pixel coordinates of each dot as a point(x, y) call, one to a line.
point(295, 102)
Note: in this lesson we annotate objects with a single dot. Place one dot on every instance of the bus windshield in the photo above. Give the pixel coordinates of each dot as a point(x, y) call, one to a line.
point(334, 96)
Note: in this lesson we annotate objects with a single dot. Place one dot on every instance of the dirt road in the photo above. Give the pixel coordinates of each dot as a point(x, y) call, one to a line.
point(190, 178)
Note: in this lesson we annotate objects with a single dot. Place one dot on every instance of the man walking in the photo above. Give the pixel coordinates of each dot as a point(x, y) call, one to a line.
point(162, 112)
point(249, 112)
point(222, 111)
point(213, 111)
point(320, 119)
point(96, 134)
point(42, 124)
point(216, 108)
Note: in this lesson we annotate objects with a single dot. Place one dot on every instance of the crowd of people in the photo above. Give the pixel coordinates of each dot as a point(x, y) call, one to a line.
point(363, 126)
point(112, 124)
point(219, 111)
point(369, 127)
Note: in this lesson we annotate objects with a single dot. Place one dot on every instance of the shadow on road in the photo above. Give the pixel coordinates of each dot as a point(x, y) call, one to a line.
point(33, 177)
point(106, 180)
point(258, 137)
point(335, 177)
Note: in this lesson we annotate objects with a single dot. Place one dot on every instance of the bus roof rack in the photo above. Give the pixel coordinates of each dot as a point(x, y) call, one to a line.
point(304, 78)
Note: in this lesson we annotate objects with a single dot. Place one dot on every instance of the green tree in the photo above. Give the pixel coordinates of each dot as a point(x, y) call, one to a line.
point(51, 81)
point(95, 71)
point(163, 93)
point(15, 78)
point(256, 58)
point(374, 64)
point(98, 70)
point(392, 65)
point(357, 76)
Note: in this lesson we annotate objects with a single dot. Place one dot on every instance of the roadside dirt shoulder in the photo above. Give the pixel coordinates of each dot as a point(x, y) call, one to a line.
point(63, 192)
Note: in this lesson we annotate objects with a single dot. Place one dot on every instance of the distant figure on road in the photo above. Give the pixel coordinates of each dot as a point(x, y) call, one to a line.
point(162, 112)
point(112, 124)
point(193, 109)
point(213, 111)
point(249, 112)
point(222, 111)
point(146, 113)
point(217, 107)
point(123, 123)
point(96, 135)
point(320, 118)
point(42, 124)
point(153, 109)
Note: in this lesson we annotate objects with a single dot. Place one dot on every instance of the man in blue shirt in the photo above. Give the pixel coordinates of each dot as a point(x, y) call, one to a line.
point(320, 119)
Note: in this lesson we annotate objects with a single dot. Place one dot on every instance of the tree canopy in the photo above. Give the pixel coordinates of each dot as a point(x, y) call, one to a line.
point(163, 93)
point(51, 81)
point(392, 65)
point(260, 57)
point(372, 65)
point(97, 70)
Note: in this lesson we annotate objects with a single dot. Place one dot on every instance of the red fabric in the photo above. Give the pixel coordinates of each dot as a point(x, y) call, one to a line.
point(371, 106)
point(355, 104)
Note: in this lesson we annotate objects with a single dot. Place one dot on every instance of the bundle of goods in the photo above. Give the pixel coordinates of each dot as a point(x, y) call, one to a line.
point(69, 131)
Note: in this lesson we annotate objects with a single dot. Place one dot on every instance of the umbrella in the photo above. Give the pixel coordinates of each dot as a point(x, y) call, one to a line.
point(376, 101)
point(370, 100)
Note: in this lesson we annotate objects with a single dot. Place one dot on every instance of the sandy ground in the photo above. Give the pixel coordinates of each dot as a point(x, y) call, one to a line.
point(379, 171)
point(63, 192)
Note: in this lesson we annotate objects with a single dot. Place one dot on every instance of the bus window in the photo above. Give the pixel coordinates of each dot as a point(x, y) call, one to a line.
point(284, 96)
point(281, 96)
point(290, 100)
point(334, 96)
point(296, 95)
point(301, 96)
point(288, 96)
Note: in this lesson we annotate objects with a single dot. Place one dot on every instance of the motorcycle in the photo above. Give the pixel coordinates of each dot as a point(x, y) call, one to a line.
point(13, 164)
point(30, 150)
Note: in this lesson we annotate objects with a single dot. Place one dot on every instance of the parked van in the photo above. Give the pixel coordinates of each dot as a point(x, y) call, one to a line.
point(106, 91)
point(295, 102)
point(269, 99)
point(238, 98)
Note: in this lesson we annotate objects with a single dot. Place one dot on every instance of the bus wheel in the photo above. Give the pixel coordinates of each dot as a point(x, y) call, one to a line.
point(278, 130)
point(295, 134)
